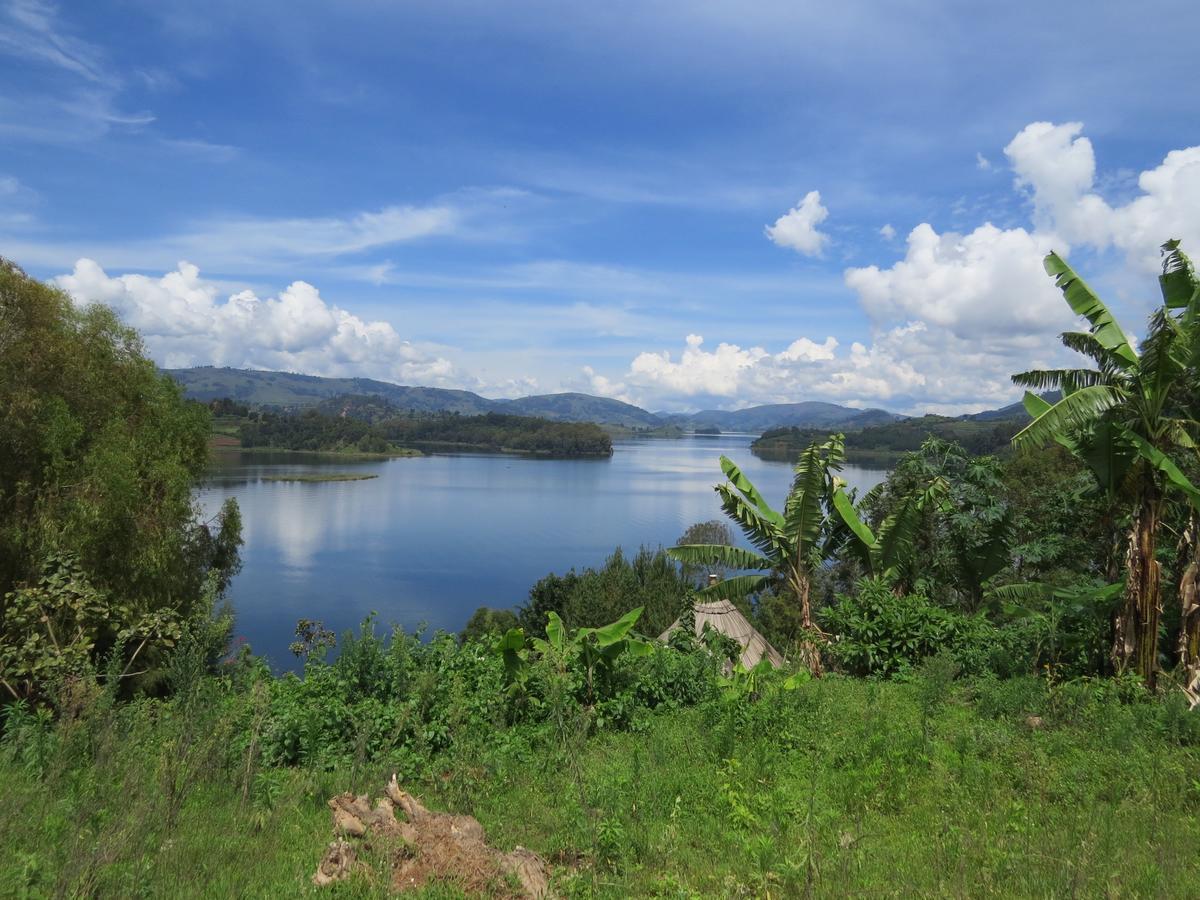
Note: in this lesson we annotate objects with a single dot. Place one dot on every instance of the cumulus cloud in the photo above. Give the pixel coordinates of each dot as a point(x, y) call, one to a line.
point(1056, 165)
point(975, 286)
point(959, 312)
point(185, 322)
point(888, 232)
point(908, 368)
point(797, 228)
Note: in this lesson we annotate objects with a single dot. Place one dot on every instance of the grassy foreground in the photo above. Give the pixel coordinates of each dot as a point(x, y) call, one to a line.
point(931, 788)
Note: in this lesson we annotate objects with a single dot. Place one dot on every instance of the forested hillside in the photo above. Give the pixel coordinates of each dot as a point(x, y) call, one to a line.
point(491, 432)
point(884, 444)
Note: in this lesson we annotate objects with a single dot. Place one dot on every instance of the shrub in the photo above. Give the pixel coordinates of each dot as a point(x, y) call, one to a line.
point(877, 632)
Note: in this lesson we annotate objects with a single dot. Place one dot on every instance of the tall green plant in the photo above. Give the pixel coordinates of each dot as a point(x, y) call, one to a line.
point(790, 544)
point(1134, 395)
point(889, 552)
point(1181, 290)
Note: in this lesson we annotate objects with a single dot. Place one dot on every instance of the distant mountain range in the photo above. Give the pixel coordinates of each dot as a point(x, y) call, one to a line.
point(287, 390)
point(810, 413)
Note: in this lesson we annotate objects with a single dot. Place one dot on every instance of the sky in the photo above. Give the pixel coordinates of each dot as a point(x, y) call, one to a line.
point(683, 204)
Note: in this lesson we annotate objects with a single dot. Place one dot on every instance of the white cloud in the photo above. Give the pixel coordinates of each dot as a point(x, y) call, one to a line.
point(71, 90)
point(184, 322)
point(888, 232)
point(260, 244)
point(797, 228)
point(1057, 166)
point(960, 312)
point(979, 285)
point(983, 163)
point(29, 29)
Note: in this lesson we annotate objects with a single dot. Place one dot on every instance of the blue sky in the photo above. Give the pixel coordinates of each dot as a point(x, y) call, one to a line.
point(682, 204)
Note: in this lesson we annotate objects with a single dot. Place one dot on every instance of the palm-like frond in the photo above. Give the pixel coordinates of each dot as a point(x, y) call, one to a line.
point(898, 532)
point(1035, 406)
point(804, 513)
point(720, 555)
point(760, 531)
point(1072, 413)
point(1166, 465)
point(735, 588)
point(1066, 380)
point(861, 541)
point(1085, 343)
point(1178, 282)
point(1103, 449)
point(747, 489)
point(1083, 300)
point(1163, 358)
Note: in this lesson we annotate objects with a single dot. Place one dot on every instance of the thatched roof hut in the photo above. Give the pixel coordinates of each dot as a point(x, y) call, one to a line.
point(725, 618)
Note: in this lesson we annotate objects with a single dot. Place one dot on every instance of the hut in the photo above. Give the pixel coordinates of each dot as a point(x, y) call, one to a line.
point(725, 618)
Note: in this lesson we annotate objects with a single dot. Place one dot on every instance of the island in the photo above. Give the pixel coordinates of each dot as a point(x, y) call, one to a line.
point(373, 427)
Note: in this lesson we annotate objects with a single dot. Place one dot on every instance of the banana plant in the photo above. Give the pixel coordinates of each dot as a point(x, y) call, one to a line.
point(1129, 400)
point(889, 551)
point(789, 544)
point(593, 649)
point(1051, 605)
point(1181, 290)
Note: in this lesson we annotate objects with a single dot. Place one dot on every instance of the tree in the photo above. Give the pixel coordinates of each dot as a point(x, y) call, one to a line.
point(1130, 399)
point(487, 621)
point(790, 544)
point(99, 454)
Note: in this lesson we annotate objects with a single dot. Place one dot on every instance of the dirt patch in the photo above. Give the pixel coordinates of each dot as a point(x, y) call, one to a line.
point(427, 846)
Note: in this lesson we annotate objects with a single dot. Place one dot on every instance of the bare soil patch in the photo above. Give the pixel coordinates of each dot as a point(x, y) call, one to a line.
point(426, 846)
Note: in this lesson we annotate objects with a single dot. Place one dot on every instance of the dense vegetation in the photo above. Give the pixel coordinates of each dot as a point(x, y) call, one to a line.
point(102, 551)
point(884, 444)
point(925, 786)
point(370, 425)
point(1008, 652)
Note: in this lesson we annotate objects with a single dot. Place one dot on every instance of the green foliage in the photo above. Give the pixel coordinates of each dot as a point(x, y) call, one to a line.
point(789, 543)
point(891, 554)
point(486, 621)
point(887, 442)
point(101, 546)
point(839, 787)
point(585, 660)
point(1132, 418)
point(879, 632)
point(649, 579)
point(713, 532)
point(948, 510)
point(388, 428)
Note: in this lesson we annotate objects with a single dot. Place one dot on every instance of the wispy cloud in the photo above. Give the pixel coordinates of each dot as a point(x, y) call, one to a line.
point(30, 29)
point(205, 150)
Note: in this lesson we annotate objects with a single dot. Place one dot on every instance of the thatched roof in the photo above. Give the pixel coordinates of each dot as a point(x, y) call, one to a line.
point(725, 618)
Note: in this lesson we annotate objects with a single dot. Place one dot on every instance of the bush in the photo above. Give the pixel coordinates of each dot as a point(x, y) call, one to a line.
point(591, 598)
point(877, 632)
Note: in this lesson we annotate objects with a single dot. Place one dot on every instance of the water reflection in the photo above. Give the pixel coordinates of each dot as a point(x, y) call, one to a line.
point(431, 539)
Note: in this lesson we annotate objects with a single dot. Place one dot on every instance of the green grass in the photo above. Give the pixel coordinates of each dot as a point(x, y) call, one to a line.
point(843, 787)
point(311, 477)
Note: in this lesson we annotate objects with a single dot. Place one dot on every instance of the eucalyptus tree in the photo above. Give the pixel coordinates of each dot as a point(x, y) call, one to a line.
point(790, 544)
point(1127, 406)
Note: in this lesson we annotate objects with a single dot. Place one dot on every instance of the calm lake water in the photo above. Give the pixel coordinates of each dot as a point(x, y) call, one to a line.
point(433, 538)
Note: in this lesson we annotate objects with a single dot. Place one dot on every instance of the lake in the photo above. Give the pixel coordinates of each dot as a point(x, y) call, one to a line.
point(433, 538)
